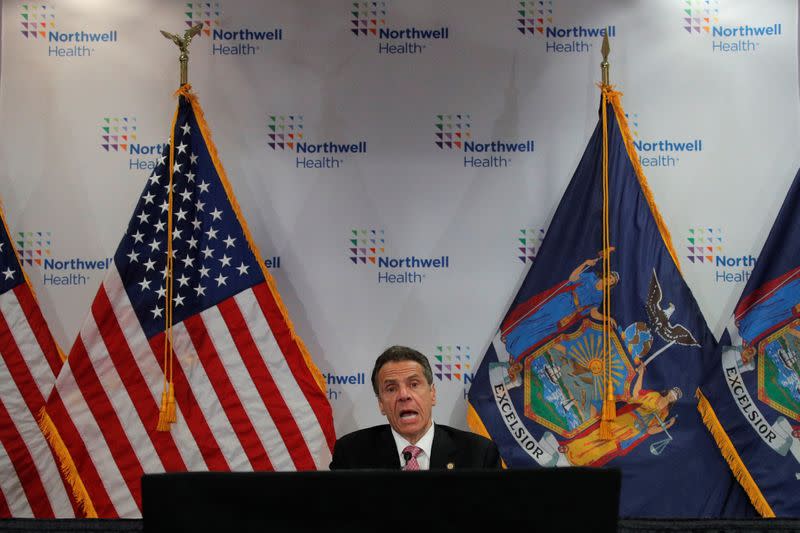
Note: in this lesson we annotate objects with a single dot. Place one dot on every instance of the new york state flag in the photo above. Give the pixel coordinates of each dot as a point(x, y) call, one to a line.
point(751, 399)
point(598, 358)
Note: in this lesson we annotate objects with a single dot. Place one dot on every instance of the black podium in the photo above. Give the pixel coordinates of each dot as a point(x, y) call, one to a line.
point(562, 499)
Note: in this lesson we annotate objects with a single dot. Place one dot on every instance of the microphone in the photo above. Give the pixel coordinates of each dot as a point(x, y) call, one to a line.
point(407, 456)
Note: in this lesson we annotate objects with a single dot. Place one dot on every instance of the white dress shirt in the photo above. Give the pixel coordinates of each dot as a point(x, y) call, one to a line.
point(425, 444)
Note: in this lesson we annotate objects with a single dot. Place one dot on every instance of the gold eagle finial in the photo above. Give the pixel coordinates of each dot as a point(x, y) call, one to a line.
point(183, 45)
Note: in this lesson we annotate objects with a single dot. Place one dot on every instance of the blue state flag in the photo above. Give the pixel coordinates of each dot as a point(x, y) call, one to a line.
point(751, 399)
point(550, 394)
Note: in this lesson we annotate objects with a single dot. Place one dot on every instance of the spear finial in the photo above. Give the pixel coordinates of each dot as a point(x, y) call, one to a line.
point(605, 49)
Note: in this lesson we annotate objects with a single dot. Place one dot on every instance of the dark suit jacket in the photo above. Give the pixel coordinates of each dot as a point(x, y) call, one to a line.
point(375, 448)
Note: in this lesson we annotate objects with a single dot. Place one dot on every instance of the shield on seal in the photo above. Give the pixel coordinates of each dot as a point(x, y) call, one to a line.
point(779, 370)
point(564, 384)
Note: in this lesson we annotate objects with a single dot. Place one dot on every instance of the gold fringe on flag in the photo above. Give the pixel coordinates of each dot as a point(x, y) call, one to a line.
point(616, 102)
point(66, 464)
point(732, 456)
point(475, 423)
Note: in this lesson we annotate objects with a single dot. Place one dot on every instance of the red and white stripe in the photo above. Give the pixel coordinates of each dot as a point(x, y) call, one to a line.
point(245, 398)
point(31, 485)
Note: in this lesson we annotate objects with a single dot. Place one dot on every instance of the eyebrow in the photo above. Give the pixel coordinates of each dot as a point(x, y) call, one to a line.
point(390, 381)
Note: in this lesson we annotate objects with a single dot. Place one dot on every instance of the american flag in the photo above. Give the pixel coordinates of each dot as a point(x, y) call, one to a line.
point(30, 481)
point(248, 396)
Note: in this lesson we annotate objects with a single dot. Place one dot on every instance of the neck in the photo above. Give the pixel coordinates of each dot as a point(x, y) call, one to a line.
point(414, 439)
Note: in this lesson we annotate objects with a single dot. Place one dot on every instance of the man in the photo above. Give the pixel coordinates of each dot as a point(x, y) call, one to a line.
point(403, 383)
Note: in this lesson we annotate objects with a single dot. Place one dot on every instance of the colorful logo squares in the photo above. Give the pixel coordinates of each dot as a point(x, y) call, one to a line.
point(33, 246)
point(207, 13)
point(452, 130)
point(529, 241)
point(36, 19)
point(117, 132)
point(367, 17)
point(284, 131)
point(365, 245)
point(533, 16)
point(703, 243)
point(452, 363)
point(699, 15)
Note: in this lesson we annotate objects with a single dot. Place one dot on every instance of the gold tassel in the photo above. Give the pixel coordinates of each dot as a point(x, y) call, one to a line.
point(607, 418)
point(163, 423)
point(609, 413)
point(171, 416)
point(166, 414)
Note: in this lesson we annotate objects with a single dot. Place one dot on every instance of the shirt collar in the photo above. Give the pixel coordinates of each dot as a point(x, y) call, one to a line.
point(425, 443)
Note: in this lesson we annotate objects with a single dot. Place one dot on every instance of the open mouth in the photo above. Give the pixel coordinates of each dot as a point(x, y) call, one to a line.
point(408, 414)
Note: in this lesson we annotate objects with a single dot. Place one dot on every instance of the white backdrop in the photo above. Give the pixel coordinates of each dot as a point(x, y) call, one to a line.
point(711, 89)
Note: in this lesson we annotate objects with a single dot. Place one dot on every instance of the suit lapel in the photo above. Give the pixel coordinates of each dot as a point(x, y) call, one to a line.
point(387, 449)
point(443, 449)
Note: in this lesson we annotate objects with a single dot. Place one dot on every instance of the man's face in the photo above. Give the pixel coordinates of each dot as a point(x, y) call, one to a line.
point(406, 398)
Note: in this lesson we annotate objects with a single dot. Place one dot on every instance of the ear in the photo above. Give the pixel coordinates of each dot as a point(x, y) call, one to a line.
point(433, 394)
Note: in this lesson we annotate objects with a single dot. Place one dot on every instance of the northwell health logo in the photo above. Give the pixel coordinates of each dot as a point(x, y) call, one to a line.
point(704, 247)
point(116, 133)
point(702, 18)
point(37, 19)
point(453, 132)
point(366, 18)
point(338, 384)
point(119, 134)
point(537, 19)
point(35, 249)
point(206, 13)
point(367, 247)
point(286, 133)
point(702, 244)
point(529, 240)
point(699, 15)
point(657, 151)
point(453, 364)
point(228, 39)
point(39, 23)
point(369, 20)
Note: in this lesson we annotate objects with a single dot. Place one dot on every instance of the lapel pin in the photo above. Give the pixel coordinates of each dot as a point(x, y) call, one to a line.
point(450, 466)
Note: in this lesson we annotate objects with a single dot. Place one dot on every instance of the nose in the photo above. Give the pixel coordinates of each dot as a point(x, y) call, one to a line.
point(403, 393)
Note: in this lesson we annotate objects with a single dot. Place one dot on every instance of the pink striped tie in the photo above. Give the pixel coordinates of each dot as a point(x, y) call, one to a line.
point(412, 463)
